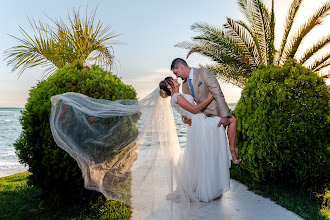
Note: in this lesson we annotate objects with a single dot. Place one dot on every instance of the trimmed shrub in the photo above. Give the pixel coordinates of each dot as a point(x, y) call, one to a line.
point(283, 126)
point(325, 197)
point(54, 170)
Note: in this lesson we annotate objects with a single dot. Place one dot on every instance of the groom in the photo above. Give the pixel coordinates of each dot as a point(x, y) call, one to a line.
point(198, 83)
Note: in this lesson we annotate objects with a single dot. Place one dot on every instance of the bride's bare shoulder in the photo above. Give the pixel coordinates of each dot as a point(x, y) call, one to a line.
point(180, 97)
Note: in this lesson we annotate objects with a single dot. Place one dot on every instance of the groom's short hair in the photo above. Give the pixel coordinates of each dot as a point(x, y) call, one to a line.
point(178, 61)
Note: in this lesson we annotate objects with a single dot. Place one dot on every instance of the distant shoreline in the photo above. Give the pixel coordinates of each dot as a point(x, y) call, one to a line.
point(4, 173)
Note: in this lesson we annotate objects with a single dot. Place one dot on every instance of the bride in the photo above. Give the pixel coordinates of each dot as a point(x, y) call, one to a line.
point(206, 160)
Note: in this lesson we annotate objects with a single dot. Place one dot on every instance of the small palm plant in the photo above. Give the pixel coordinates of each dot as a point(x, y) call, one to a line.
point(55, 47)
point(240, 47)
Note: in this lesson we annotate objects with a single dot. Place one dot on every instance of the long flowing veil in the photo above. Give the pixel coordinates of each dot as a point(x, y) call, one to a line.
point(127, 149)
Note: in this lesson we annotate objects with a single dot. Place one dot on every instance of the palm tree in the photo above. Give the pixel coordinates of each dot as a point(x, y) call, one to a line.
point(240, 47)
point(54, 47)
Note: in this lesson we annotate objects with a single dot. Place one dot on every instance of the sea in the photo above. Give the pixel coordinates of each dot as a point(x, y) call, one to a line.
point(10, 130)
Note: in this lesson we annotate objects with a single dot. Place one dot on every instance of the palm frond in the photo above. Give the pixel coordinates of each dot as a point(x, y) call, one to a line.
point(243, 5)
point(295, 41)
point(240, 47)
point(229, 74)
point(294, 7)
point(88, 37)
point(320, 71)
point(321, 43)
point(271, 36)
point(209, 30)
point(213, 36)
point(255, 39)
point(217, 54)
point(320, 63)
point(215, 44)
point(55, 47)
point(244, 40)
point(33, 50)
point(260, 23)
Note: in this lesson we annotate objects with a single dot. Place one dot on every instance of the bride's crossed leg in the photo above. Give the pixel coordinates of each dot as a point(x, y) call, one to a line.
point(231, 133)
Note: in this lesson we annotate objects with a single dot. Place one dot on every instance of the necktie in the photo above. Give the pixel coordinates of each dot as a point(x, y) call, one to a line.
point(191, 87)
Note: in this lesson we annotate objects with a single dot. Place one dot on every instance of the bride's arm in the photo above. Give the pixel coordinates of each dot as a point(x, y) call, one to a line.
point(193, 108)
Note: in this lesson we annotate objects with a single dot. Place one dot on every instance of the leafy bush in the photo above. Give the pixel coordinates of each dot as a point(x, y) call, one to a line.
point(283, 126)
point(325, 197)
point(53, 169)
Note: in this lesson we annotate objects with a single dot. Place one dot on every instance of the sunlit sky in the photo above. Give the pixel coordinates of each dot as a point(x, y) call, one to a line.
point(148, 32)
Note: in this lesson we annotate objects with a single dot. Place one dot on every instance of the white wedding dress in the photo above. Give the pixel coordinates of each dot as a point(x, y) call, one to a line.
point(206, 158)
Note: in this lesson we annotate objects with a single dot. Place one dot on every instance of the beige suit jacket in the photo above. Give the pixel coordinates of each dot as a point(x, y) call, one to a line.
point(204, 82)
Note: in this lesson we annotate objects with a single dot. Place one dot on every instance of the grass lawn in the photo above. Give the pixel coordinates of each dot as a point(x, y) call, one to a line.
point(20, 201)
point(304, 204)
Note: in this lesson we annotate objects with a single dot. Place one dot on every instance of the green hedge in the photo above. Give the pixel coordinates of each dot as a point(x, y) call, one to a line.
point(55, 171)
point(283, 126)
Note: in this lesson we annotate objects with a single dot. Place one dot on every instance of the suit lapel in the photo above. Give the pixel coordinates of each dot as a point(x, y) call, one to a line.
point(186, 87)
point(195, 82)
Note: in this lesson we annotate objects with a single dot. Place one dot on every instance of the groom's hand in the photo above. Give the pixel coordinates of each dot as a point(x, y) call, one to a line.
point(186, 121)
point(224, 121)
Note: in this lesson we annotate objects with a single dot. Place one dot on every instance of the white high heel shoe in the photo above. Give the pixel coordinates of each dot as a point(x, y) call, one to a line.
point(238, 160)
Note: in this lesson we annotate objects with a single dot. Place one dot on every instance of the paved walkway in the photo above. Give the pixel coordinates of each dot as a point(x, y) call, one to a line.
point(239, 203)
point(236, 204)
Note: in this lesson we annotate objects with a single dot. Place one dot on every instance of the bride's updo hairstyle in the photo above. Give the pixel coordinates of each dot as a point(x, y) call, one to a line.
point(164, 91)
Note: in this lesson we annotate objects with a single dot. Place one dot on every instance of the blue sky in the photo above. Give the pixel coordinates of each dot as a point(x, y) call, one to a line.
point(148, 32)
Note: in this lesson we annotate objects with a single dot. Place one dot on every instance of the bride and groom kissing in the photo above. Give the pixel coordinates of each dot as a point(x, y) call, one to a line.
point(205, 160)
